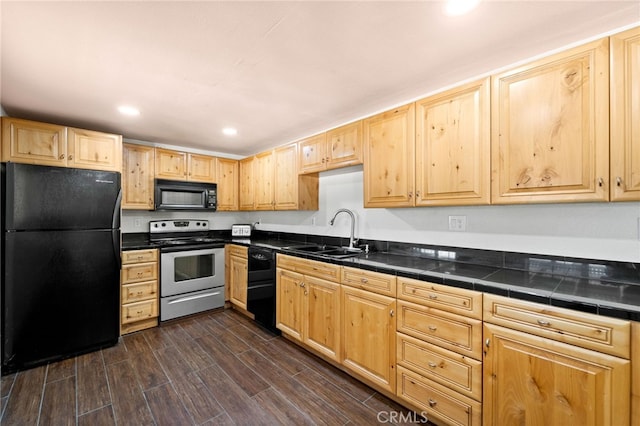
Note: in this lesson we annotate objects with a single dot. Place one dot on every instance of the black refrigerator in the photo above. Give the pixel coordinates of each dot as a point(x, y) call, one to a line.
point(60, 263)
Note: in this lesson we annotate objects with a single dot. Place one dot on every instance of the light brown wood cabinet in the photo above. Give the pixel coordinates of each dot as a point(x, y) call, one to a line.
point(439, 332)
point(270, 181)
point(550, 128)
point(139, 290)
point(368, 337)
point(238, 274)
point(339, 147)
point(228, 184)
point(308, 306)
point(246, 193)
point(531, 379)
point(389, 158)
point(31, 142)
point(625, 116)
point(185, 166)
point(138, 165)
point(453, 147)
point(264, 174)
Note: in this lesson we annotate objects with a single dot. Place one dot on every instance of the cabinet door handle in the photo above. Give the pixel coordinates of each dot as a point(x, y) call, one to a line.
point(302, 284)
point(619, 181)
point(417, 194)
point(433, 328)
point(432, 364)
point(544, 323)
point(487, 342)
point(433, 296)
point(62, 156)
point(600, 182)
point(71, 157)
point(391, 312)
point(432, 402)
point(410, 194)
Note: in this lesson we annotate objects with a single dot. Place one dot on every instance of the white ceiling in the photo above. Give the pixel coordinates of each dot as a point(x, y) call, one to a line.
point(277, 71)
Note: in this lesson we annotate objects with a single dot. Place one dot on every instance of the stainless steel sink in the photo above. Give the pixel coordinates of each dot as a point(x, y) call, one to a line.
point(326, 250)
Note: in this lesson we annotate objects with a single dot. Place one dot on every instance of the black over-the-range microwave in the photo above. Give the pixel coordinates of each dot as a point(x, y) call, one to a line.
point(176, 195)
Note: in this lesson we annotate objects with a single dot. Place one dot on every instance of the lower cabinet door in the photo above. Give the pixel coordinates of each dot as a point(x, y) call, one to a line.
point(531, 380)
point(322, 316)
point(438, 402)
point(289, 302)
point(368, 336)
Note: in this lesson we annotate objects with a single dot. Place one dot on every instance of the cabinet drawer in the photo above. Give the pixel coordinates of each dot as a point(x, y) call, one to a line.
point(326, 271)
point(139, 272)
point(235, 250)
point(368, 280)
point(139, 256)
point(139, 310)
point(451, 331)
point(139, 291)
point(603, 334)
point(450, 299)
point(437, 401)
point(458, 372)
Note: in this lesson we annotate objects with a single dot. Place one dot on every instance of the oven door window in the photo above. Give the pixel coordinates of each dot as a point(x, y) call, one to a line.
point(193, 267)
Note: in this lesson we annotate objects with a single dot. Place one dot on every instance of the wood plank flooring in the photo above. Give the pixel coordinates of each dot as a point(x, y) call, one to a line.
point(211, 369)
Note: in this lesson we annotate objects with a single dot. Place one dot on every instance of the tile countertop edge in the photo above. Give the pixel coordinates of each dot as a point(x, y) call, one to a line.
point(430, 273)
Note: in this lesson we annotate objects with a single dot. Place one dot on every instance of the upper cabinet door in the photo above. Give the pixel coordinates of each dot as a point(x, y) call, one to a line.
point(389, 146)
point(625, 116)
point(264, 180)
point(87, 149)
point(227, 170)
point(550, 128)
point(25, 141)
point(137, 177)
point(312, 154)
point(246, 194)
point(344, 146)
point(286, 177)
point(201, 168)
point(171, 164)
point(452, 147)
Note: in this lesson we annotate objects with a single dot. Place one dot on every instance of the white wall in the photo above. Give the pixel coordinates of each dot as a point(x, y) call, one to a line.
point(607, 231)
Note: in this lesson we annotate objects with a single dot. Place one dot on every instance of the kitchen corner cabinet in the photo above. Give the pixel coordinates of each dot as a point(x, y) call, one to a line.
point(138, 165)
point(308, 304)
point(31, 142)
point(550, 129)
point(293, 191)
point(339, 147)
point(185, 166)
point(246, 192)
point(389, 158)
point(139, 290)
point(453, 147)
point(540, 366)
point(228, 181)
point(625, 116)
point(238, 274)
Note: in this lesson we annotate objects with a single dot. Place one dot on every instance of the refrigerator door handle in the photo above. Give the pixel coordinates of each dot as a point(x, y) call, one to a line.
point(115, 220)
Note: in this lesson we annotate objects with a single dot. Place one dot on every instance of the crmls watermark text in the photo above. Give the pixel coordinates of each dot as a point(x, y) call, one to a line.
point(402, 417)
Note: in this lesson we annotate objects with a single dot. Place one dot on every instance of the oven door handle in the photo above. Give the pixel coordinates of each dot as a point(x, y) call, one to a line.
point(194, 297)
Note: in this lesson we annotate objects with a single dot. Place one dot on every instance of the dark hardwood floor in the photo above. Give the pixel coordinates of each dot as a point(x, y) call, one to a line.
point(214, 368)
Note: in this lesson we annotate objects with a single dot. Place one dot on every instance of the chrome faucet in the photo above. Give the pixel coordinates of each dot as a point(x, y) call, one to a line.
point(352, 240)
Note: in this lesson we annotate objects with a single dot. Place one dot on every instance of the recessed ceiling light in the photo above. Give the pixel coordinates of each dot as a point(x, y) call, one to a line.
point(459, 7)
point(230, 131)
point(128, 110)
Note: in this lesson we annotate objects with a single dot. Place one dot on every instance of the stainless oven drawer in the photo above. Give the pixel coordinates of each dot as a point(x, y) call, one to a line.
point(191, 303)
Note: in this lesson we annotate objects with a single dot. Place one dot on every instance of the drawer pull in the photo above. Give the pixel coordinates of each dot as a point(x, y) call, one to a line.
point(432, 364)
point(364, 280)
point(544, 323)
point(391, 312)
point(140, 257)
point(433, 328)
point(433, 296)
point(432, 403)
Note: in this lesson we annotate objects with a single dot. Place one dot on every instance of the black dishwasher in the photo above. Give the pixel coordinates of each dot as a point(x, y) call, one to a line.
point(261, 287)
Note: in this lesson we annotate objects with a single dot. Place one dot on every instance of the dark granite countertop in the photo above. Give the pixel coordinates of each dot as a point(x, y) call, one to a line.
point(595, 286)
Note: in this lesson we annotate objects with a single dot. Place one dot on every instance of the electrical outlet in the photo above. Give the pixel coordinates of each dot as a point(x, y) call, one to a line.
point(313, 221)
point(457, 223)
point(137, 223)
